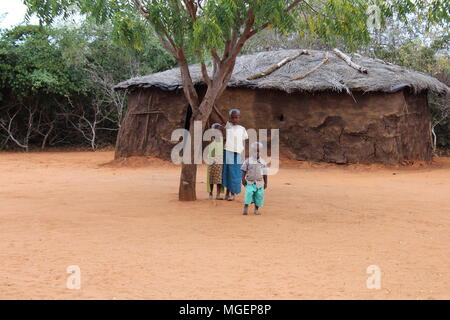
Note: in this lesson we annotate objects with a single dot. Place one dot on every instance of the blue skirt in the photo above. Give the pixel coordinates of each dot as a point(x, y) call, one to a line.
point(231, 172)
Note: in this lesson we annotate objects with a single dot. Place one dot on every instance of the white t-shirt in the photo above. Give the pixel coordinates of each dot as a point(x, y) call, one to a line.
point(236, 135)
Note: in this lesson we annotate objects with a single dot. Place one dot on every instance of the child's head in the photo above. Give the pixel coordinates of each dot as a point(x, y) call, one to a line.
point(217, 126)
point(256, 147)
point(235, 116)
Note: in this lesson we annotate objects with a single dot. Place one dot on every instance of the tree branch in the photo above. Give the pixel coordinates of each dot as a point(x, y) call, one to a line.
point(191, 8)
point(246, 34)
point(188, 84)
point(141, 8)
point(222, 118)
point(215, 55)
point(294, 4)
point(206, 77)
point(288, 8)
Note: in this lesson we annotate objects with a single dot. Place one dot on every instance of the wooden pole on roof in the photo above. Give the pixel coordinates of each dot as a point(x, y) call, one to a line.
point(278, 65)
point(325, 60)
point(349, 61)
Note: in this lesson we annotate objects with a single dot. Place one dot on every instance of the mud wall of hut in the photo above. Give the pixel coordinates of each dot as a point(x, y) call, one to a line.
point(329, 127)
point(151, 117)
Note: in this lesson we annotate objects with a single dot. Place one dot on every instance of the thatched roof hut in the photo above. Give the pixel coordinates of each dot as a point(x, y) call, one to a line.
point(335, 113)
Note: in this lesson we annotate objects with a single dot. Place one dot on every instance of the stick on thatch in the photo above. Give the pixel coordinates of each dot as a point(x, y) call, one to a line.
point(278, 65)
point(145, 112)
point(325, 60)
point(349, 61)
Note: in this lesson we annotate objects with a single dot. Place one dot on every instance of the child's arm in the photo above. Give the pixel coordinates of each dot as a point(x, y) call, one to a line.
point(244, 169)
point(265, 171)
point(244, 173)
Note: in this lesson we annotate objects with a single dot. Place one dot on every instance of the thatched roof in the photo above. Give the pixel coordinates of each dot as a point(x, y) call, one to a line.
point(336, 75)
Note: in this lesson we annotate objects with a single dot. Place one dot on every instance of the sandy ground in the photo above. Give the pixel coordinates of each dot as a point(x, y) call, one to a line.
point(320, 230)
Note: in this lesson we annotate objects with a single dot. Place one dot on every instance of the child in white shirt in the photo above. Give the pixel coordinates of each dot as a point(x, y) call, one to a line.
point(234, 145)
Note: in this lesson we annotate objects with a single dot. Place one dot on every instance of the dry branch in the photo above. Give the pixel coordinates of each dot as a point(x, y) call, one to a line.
point(7, 127)
point(146, 112)
point(349, 61)
point(278, 65)
point(219, 114)
point(325, 60)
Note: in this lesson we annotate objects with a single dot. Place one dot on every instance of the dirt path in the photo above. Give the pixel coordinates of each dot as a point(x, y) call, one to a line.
point(322, 227)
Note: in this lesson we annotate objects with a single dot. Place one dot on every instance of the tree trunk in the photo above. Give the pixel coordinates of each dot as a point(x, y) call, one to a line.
point(187, 182)
point(202, 113)
point(189, 171)
point(188, 176)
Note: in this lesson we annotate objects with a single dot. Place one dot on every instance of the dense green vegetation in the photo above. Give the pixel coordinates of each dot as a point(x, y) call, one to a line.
point(56, 83)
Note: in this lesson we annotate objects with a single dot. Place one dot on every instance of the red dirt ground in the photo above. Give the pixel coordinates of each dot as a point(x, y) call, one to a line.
point(121, 223)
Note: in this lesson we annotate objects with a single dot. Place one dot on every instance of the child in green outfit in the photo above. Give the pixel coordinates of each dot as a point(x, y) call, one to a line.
point(254, 178)
point(214, 169)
